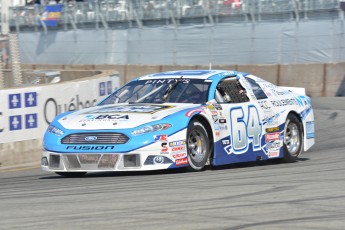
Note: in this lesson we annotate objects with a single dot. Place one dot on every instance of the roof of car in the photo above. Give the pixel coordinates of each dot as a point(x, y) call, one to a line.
point(196, 74)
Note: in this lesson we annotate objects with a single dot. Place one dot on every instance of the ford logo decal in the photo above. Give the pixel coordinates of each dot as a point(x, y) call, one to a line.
point(90, 138)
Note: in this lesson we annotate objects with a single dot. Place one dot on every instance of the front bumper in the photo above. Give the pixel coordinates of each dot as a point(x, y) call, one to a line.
point(101, 162)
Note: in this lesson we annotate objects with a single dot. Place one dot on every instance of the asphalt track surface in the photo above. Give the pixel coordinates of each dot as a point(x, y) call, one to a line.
point(308, 194)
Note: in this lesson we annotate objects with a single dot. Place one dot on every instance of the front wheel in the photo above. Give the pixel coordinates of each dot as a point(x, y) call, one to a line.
point(198, 146)
point(71, 174)
point(293, 138)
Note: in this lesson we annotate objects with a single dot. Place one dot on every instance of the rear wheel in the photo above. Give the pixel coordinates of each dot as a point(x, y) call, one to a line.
point(198, 146)
point(71, 174)
point(293, 138)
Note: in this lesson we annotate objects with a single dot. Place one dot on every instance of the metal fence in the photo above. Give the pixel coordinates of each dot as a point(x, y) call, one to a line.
point(140, 12)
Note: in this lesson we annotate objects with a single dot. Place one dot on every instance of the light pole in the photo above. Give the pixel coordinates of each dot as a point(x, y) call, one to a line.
point(5, 29)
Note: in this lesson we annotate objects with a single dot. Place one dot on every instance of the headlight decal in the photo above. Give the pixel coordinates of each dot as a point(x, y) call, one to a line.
point(55, 130)
point(151, 128)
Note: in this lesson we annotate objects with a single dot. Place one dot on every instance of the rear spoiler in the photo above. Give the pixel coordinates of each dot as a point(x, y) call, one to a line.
point(298, 90)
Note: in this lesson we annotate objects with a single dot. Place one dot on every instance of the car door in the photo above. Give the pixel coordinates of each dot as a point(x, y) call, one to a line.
point(272, 130)
point(244, 117)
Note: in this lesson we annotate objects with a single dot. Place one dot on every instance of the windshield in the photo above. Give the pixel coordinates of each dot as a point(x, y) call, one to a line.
point(160, 91)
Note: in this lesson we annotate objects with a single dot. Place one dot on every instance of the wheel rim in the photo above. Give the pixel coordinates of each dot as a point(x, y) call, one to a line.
point(292, 138)
point(197, 146)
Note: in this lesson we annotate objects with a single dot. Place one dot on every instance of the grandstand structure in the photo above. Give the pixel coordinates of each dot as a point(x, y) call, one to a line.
point(138, 13)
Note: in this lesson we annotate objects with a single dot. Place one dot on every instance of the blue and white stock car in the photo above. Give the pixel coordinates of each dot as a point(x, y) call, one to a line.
point(182, 119)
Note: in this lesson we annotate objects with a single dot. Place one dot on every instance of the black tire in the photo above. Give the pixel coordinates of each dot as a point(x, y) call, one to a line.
point(293, 138)
point(198, 146)
point(71, 174)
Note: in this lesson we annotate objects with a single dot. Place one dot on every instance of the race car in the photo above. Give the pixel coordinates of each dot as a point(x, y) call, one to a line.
point(189, 118)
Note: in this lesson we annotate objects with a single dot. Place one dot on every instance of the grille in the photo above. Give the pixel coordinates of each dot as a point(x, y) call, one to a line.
point(54, 161)
point(132, 160)
point(90, 161)
point(95, 138)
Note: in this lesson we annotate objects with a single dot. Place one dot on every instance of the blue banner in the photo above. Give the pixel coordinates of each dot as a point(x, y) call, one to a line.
point(52, 14)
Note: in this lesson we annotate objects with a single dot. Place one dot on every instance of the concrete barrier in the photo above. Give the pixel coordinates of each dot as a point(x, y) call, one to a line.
point(335, 80)
point(318, 79)
point(267, 72)
point(309, 76)
point(134, 71)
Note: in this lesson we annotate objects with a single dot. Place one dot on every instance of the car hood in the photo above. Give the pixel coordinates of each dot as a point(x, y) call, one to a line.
point(120, 116)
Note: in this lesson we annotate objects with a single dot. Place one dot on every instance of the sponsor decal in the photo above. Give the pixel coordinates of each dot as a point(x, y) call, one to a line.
point(90, 138)
point(273, 154)
point(225, 142)
point(166, 81)
point(178, 149)
point(272, 118)
point(223, 127)
point(162, 137)
point(214, 113)
point(280, 93)
point(273, 146)
point(165, 148)
point(272, 129)
point(51, 14)
point(284, 102)
point(76, 147)
point(268, 85)
point(177, 143)
point(264, 105)
point(272, 136)
point(217, 133)
point(216, 126)
point(230, 73)
point(210, 107)
point(267, 92)
point(179, 156)
point(104, 117)
point(228, 149)
point(310, 129)
point(183, 161)
point(218, 107)
point(303, 101)
point(191, 112)
point(215, 118)
point(222, 120)
point(132, 109)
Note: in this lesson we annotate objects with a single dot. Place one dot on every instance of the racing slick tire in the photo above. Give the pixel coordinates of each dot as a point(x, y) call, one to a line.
point(71, 174)
point(293, 138)
point(198, 146)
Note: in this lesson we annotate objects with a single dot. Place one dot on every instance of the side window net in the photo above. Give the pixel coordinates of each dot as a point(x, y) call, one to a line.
point(232, 91)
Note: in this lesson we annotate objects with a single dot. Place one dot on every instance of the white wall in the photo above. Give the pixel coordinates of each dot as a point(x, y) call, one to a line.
point(25, 113)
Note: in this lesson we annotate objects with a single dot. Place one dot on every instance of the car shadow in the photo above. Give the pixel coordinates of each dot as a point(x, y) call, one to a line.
point(265, 163)
point(122, 174)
